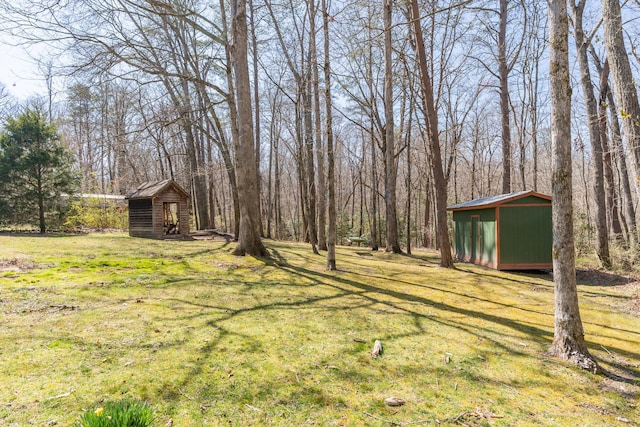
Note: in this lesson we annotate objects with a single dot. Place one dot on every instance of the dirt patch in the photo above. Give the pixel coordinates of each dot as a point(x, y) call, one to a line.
point(633, 306)
point(602, 278)
point(17, 264)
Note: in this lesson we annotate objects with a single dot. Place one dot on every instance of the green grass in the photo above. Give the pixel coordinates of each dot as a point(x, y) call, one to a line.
point(207, 338)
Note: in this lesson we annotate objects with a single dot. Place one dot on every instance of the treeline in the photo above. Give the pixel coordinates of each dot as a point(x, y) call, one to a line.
point(151, 92)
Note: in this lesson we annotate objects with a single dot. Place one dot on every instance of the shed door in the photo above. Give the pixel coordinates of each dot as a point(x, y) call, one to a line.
point(475, 239)
point(171, 213)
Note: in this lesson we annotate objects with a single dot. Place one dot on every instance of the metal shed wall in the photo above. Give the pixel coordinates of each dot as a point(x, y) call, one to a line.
point(475, 236)
point(507, 232)
point(525, 236)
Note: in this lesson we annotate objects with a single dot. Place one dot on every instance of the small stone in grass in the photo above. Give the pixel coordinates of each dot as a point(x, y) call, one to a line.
point(394, 401)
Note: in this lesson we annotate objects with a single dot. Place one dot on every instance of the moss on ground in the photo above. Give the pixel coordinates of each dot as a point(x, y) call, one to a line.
point(212, 339)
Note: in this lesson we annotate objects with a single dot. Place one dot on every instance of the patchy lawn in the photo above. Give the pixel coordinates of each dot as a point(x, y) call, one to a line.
point(211, 339)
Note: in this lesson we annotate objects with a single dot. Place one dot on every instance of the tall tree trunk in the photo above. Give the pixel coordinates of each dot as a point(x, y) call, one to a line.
point(392, 244)
point(409, 192)
point(612, 201)
point(331, 176)
point(320, 152)
point(582, 44)
point(374, 196)
point(249, 241)
point(534, 123)
point(233, 118)
point(624, 83)
point(256, 108)
point(446, 260)
point(618, 150)
point(503, 72)
point(309, 133)
point(568, 340)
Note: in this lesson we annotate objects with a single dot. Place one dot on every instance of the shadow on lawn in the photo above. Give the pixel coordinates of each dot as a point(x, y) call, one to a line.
point(617, 371)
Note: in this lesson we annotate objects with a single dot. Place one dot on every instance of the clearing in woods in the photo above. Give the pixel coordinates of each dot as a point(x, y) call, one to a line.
point(211, 339)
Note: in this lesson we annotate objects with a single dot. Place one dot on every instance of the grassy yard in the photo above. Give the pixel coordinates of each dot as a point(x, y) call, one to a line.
point(207, 338)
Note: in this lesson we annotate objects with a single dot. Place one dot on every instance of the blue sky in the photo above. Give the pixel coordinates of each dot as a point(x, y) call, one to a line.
point(19, 73)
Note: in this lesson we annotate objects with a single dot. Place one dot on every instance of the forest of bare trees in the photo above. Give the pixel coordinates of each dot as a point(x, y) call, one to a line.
point(354, 118)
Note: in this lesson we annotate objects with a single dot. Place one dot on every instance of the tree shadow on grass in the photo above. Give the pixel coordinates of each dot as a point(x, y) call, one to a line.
point(373, 298)
point(591, 277)
point(624, 374)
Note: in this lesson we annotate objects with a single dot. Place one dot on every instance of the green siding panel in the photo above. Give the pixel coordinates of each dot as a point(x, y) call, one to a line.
point(462, 231)
point(525, 235)
point(489, 249)
point(485, 245)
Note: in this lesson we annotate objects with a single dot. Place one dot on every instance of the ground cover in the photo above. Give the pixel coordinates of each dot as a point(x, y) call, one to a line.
point(207, 338)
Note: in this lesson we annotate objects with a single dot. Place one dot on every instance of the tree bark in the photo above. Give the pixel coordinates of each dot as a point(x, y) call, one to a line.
point(568, 341)
point(446, 260)
point(256, 108)
point(624, 82)
point(582, 44)
point(320, 152)
point(249, 241)
point(392, 244)
point(309, 133)
point(503, 73)
point(331, 176)
point(611, 200)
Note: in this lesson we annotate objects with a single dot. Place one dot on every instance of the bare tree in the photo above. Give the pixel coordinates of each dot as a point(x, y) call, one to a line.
point(568, 340)
point(624, 86)
point(582, 45)
point(249, 241)
point(331, 178)
point(446, 260)
point(392, 243)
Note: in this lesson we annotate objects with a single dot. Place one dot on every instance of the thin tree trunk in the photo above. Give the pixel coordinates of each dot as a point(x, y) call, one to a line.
point(320, 152)
point(309, 132)
point(503, 72)
point(256, 108)
point(624, 83)
point(392, 243)
point(331, 177)
point(611, 199)
point(582, 44)
point(568, 341)
point(446, 259)
point(374, 196)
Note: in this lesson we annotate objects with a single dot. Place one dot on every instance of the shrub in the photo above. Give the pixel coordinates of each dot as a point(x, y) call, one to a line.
point(97, 214)
point(124, 413)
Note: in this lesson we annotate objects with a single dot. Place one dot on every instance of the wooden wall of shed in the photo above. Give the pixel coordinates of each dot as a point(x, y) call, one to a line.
point(170, 196)
point(140, 218)
point(185, 219)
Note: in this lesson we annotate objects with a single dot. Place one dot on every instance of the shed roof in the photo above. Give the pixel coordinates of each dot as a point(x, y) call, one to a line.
point(493, 201)
point(149, 190)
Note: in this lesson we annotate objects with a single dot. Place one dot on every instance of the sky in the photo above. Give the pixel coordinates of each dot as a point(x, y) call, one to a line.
point(19, 73)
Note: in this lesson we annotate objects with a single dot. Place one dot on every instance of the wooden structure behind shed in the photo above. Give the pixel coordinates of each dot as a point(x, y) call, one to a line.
point(507, 232)
point(159, 210)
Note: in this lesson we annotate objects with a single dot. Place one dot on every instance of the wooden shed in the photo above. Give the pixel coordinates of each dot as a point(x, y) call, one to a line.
point(159, 210)
point(506, 232)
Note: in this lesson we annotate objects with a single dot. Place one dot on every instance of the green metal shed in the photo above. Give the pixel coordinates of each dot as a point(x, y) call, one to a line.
point(506, 232)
